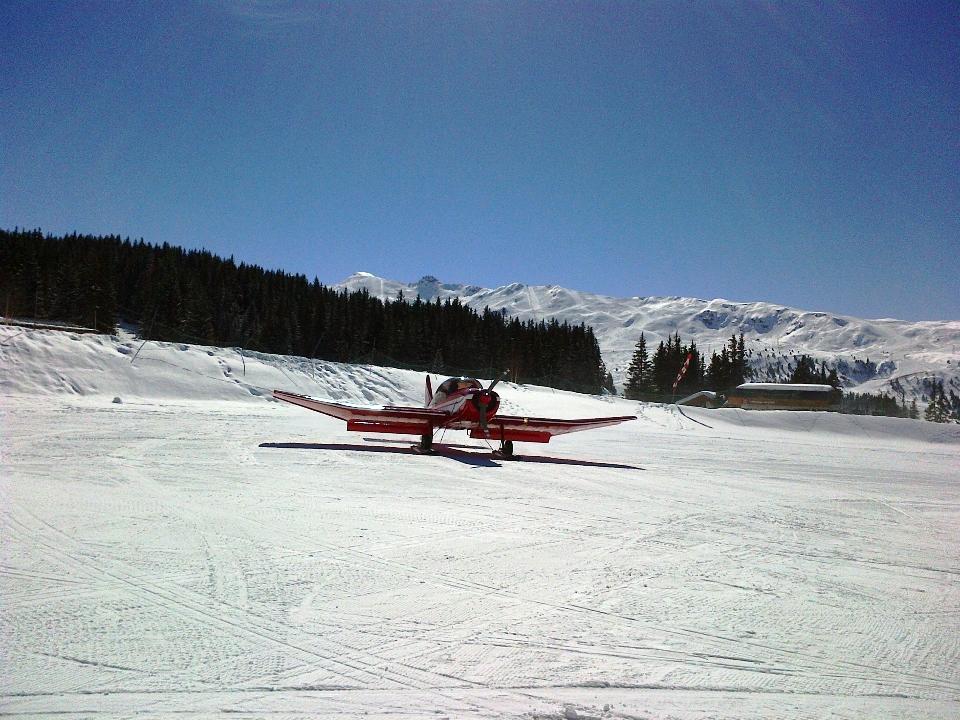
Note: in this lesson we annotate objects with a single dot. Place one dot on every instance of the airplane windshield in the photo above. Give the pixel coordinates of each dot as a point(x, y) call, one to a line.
point(455, 384)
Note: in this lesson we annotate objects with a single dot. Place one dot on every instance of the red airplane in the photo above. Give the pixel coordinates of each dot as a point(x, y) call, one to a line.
point(458, 404)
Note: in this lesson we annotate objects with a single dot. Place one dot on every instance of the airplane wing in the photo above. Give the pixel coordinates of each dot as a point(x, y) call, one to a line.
point(391, 419)
point(529, 429)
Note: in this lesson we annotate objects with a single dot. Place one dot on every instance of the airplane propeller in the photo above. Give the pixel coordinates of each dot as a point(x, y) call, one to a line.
point(494, 383)
point(483, 401)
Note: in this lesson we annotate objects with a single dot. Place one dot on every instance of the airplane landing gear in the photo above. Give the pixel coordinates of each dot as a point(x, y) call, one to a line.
point(425, 446)
point(506, 451)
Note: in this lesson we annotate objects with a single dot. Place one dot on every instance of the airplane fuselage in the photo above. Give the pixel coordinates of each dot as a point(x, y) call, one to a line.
point(465, 402)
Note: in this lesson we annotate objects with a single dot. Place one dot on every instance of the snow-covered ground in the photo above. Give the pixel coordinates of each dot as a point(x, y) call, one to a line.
point(173, 542)
point(902, 354)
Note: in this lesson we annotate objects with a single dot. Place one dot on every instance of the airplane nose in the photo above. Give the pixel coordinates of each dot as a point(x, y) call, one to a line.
point(483, 400)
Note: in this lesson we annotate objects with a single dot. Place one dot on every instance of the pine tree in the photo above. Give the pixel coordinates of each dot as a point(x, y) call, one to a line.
point(719, 374)
point(740, 370)
point(833, 379)
point(728, 368)
point(640, 372)
point(914, 412)
point(805, 371)
point(661, 369)
point(954, 406)
point(938, 410)
point(608, 384)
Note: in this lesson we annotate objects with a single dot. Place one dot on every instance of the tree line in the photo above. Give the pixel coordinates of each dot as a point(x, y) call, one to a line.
point(658, 376)
point(173, 294)
point(654, 377)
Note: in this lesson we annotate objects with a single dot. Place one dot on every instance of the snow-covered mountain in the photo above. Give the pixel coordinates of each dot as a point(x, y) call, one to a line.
point(870, 355)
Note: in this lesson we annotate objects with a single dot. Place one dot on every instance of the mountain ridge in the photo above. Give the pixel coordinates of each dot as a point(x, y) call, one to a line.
point(871, 355)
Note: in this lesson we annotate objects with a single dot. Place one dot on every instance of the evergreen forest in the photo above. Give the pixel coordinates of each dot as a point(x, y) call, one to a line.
point(179, 295)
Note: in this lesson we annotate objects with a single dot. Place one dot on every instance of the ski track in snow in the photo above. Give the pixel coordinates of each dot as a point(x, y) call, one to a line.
point(196, 548)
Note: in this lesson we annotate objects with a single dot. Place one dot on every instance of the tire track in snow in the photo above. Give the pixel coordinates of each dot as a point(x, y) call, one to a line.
point(198, 607)
point(841, 668)
point(890, 672)
point(227, 579)
point(378, 666)
point(484, 588)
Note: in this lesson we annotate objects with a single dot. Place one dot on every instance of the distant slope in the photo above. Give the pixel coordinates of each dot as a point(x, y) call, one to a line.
point(41, 363)
point(901, 354)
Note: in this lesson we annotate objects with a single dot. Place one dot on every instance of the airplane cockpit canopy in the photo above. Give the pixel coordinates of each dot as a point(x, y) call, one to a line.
point(454, 384)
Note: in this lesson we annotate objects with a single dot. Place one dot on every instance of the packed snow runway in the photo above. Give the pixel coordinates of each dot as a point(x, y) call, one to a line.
point(164, 555)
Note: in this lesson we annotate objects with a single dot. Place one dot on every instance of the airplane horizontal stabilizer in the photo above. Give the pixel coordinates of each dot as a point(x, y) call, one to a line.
point(527, 429)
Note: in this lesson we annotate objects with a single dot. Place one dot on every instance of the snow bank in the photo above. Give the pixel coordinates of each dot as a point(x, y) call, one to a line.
point(46, 362)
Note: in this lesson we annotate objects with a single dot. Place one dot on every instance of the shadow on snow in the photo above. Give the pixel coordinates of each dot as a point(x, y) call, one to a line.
point(454, 452)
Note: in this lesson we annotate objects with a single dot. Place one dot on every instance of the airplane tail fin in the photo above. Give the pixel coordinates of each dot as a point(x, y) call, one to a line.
point(428, 393)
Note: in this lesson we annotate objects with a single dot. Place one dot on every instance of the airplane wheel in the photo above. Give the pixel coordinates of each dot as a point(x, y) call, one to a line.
point(505, 451)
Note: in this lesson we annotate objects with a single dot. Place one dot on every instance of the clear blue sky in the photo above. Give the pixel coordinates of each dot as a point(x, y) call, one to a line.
point(800, 153)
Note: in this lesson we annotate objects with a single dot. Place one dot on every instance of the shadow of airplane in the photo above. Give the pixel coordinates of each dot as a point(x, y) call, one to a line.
point(392, 441)
point(571, 461)
point(454, 452)
point(441, 450)
point(521, 458)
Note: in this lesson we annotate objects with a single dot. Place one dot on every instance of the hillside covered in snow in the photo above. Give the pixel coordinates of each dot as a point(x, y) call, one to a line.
point(885, 355)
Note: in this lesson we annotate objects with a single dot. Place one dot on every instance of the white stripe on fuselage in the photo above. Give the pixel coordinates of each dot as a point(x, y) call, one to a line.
point(452, 405)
